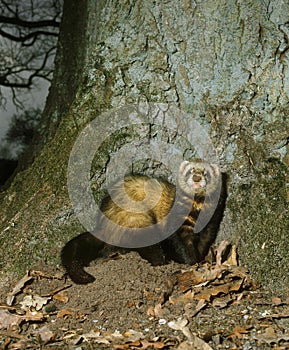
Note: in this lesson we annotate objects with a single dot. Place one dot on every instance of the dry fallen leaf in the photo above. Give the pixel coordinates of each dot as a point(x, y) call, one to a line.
point(132, 335)
point(271, 337)
point(33, 316)
point(179, 324)
point(20, 344)
point(223, 280)
point(149, 344)
point(34, 301)
point(191, 310)
point(64, 313)
point(232, 260)
point(209, 293)
point(195, 344)
point(276, 301)
point(150, 311)
point(158, 310)
point(61, 296)
point(8, 320)
point(238, 332)
point(18, 288)
point(30, 275)
point(44, 333)
point(92, 335)
point(219, 251)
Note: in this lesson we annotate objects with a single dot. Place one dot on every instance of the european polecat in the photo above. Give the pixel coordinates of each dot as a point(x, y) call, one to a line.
point(198, 184)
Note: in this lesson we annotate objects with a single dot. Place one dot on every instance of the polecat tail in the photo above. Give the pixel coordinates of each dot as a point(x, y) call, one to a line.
point(78, 253)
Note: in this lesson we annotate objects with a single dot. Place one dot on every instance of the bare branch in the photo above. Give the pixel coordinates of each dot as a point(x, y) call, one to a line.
point(27, 83)
point(29, 32)
point(29, 24)
point(33, 35)
point(18, 39)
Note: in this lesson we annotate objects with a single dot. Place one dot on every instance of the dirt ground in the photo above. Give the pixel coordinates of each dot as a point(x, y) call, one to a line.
point(133, 305)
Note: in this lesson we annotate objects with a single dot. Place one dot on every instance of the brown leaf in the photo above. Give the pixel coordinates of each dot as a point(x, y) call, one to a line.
point(11, 334)
point(133, 336)
point(20, 344)
point(233, 257)
point(199, 276)
point(121, 346)
point(145, 344)
point(61, 296)
point(64, 313)
point(276, 301)
point(33, 316)
point(158, 311)
point(209, 293)
point(270, 336)
point(45, 334)
point(204, 295)
point(201, 305)
point(150, 311)
point(195, 344)
point(92, 335)
point(189, 278)
point(239, 332)
point(221, 302)
point(18, 288)
point(8, 320)
point(219, 251)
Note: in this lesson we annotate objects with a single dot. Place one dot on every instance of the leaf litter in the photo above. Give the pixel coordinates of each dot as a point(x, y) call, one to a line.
point(213, 305)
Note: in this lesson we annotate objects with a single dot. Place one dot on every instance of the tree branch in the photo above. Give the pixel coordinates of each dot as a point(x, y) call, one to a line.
point(29, 24)
point(29, 31)
point(37, 73)
point(24, 38)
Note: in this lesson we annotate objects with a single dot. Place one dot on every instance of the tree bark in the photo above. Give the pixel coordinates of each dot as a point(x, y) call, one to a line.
point(224, 63)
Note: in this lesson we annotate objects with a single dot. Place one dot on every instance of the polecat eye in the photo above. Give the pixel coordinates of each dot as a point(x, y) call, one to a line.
point(208, 175)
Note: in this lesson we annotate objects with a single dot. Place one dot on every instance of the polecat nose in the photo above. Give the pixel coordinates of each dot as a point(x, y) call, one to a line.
point(197, 178)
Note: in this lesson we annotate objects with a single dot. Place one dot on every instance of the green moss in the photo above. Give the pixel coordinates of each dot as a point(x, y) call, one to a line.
point(261, 224)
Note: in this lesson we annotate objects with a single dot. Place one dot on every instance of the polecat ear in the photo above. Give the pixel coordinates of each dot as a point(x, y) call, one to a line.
point(183, 166)
point(216, 169)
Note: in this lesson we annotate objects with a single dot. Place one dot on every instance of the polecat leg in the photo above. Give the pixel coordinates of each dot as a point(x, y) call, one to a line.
point(78, 253)
point(182, 248)
point(153, 254)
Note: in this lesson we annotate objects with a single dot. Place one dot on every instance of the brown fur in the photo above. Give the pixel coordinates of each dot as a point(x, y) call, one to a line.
point(152, 203)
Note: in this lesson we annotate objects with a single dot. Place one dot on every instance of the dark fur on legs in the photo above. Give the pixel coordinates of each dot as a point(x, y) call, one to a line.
point(84, 248)
point(196, 180)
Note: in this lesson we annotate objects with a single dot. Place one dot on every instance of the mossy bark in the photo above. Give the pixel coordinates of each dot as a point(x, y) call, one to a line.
point(226, 63)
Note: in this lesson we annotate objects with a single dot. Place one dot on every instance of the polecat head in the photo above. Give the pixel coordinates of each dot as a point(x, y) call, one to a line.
point(198, 178)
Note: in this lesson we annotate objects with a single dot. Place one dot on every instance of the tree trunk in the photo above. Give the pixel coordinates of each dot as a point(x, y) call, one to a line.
point(224, 63)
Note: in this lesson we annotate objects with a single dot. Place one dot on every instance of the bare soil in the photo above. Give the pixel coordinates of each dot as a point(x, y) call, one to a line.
point(133, 305)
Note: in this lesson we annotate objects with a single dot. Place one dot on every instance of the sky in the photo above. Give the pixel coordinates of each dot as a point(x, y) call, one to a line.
point(36, 98)
point(31, 11)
